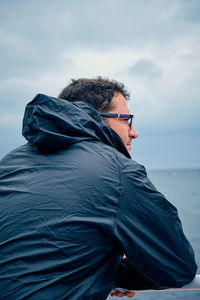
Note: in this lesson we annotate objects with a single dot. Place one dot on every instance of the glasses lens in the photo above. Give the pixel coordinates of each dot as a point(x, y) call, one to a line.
point(130, 121)
point(123, 116)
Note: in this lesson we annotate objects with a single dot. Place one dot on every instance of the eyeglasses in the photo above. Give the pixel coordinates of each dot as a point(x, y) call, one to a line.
point(122, 116)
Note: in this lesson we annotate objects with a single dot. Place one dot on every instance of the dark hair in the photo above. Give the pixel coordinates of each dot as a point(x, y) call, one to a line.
point(97, 92)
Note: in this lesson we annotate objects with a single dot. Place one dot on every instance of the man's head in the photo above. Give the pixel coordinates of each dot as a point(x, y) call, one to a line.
point(106, 96)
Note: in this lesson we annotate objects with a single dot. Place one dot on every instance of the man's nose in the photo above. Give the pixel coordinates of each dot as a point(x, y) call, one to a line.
point(133, 133)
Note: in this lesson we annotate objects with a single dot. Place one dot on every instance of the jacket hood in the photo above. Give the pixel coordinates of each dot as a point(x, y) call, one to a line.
point(53, 124)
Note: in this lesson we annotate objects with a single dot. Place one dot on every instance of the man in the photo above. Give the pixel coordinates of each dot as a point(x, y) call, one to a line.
point(72, 203)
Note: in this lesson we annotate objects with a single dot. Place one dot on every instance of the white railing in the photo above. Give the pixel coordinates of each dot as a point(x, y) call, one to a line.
point(193, 285)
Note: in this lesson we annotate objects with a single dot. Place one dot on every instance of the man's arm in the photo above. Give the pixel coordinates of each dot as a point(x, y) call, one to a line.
point(147, 225)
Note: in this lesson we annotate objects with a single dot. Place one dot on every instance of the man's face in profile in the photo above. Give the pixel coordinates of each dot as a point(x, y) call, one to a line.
point(119, 125)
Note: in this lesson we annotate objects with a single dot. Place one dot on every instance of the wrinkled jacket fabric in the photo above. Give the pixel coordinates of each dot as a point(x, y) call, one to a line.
point(72, 202)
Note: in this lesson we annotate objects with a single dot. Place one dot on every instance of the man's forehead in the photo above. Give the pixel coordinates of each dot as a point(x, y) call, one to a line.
point(119, 104)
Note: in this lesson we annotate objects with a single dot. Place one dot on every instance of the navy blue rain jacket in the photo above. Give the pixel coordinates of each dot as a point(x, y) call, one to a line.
point(72, 202)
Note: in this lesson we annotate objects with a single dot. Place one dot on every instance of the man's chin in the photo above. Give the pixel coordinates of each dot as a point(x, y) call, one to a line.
point(129, 149)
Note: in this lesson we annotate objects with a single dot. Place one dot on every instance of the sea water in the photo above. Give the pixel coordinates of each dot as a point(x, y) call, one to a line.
point(181, 188)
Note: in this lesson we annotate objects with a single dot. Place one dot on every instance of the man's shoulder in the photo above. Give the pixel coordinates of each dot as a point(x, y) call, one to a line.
point(109, 155)
point(129, 164)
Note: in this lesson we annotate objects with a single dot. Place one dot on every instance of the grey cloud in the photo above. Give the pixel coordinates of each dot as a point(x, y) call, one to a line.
point(41, 31)
point(146, 68)
point(168, 149)
point(34, 35)
point(189, 11)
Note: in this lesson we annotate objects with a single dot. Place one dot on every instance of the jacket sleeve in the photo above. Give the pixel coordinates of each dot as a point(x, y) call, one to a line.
point(158, 254)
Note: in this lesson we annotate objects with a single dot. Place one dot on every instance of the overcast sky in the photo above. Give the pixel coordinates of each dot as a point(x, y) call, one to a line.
point(153, 46)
